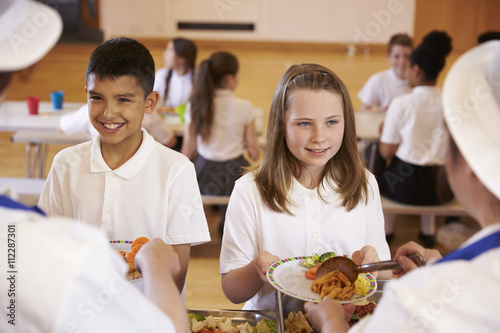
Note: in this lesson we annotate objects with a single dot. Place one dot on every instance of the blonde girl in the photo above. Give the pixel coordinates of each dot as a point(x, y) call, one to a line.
point(311, 194)
point(219, 127)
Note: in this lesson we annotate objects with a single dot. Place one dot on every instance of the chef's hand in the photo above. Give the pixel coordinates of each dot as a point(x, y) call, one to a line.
point(408, 264)
point(329, 315)
point(262, 262)
point(157, 252)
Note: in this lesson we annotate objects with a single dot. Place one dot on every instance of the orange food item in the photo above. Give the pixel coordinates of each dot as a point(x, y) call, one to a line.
point(140, 240)
point(130, 257)
point(136, 248)
point(310, 275)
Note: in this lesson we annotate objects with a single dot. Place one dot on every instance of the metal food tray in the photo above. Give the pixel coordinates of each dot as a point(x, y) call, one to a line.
point(237, 316)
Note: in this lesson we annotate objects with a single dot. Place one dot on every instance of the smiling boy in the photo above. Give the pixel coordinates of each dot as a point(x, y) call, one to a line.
point(124, 181)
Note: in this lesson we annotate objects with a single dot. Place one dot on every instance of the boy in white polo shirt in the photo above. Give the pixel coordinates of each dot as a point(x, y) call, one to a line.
point(124, 181)
point(382, 87)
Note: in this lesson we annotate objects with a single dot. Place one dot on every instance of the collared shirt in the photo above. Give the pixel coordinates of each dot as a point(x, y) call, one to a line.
point(316, 227)
point(68, 279)
point(381, 88)
point(231, 116)
point(453, 296)
point(153, 194)
point(415, 122)
point(179, 88)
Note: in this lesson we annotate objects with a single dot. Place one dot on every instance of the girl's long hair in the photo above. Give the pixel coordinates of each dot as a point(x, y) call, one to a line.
point(185, 49)
point(210, 74)
point(344, 172)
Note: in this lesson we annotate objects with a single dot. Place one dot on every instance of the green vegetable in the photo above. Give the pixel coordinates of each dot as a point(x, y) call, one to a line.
point(192, 315)
point(311, 261)
point(326, 256)
point(266, 326)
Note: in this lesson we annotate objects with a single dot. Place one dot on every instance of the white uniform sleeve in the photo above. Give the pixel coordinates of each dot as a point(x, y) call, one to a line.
point(51, 197)
point(391, 132)
point(157, 127)
point(369, 94)
point(239, 244)
point(75, 122)
point(187, 223)
point(375, 230)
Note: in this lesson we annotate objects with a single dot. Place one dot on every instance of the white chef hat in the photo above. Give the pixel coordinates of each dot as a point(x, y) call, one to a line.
point(471, 102)
point(28, 30)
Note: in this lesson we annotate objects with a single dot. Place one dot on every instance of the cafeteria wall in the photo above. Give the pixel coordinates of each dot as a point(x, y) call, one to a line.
point(357, 23)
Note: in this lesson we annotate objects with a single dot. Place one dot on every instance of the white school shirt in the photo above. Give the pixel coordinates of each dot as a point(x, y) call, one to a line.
point(231, 115)
point(154, 194)
point(453, 296)
point(382, 87)
point(69, 279)
point(316, 227)
point(179, 89)
point(415, 122)
point(78, 122)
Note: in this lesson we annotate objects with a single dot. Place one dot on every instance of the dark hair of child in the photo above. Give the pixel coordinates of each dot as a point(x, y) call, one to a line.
point(431, 54)
point(487, 36)
point(399, 39)
point(123, 56)
point(210, 75)
point(185, 49)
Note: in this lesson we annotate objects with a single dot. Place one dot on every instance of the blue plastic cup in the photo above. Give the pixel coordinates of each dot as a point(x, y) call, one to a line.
point(57, 98)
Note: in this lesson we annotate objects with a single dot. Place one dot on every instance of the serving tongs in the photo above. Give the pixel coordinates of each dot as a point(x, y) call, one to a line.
point(351, 270)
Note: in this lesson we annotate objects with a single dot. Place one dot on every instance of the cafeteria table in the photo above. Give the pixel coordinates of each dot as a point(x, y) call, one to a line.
point(37, 131)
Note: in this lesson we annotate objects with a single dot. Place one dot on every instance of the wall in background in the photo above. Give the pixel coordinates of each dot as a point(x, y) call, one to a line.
point(322, 21)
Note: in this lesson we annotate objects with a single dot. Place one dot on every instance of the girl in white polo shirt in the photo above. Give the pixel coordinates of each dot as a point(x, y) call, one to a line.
point(218, 127)
point(414, 135)
point(311, 194)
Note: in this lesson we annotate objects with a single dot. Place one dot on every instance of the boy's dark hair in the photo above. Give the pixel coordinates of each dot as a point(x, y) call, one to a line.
point(399, 39)
point(487, 36)
point(123, 56)
point(431, 54)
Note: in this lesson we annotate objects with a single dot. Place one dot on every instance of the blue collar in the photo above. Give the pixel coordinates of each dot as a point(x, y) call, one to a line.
point(475, 249)
point(8, 203)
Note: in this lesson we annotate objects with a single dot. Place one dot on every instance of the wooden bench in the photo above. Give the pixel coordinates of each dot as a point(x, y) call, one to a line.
point(451, 208)
point(215, 200)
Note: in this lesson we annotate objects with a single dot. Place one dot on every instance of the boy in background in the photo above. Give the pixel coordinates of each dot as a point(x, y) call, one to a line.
point(124, 181)
point(382, 87)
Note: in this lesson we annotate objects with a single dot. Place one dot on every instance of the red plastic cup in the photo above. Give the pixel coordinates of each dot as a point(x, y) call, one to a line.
point(33, 102)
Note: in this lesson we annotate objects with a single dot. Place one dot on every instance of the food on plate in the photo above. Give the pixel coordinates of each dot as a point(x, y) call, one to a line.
point(313, 260)
point(363, 308)
point(298, 323)
point(334, 284)
point(311, 273)
point(210, 324)
point(129, 257)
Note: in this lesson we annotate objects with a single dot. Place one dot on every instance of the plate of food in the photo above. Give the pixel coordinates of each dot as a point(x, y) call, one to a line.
point(128, 249)
point(289, 277)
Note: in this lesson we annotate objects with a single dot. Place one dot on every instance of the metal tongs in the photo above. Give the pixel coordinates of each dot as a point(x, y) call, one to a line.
point(351, 270)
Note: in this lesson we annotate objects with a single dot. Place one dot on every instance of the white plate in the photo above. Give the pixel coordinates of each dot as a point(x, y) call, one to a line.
point(288, 276)
point(121, 245)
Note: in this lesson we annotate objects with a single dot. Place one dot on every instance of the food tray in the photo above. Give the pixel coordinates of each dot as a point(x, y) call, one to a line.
point(237, 316)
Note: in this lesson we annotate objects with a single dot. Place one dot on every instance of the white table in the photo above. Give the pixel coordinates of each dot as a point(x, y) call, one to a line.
point(37, 131)
point(367, 130)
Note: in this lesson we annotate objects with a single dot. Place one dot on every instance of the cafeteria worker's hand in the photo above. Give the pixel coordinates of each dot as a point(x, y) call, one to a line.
point(329, 315)
point(408, 264)
point(262, 262)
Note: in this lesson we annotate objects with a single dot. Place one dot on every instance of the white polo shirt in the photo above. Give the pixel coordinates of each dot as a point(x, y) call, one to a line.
point(315, 227)
point(153, 194)
point(415, 122)
point(179, 89)
point(231, 115)
point(69, 280)
point(381, 88)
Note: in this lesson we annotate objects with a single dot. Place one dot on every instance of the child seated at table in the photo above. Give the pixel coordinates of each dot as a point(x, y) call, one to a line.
point(382, 87)
point(124, 181)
